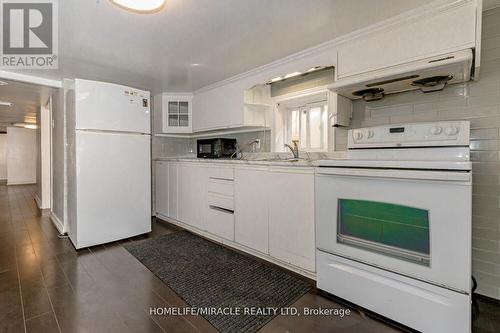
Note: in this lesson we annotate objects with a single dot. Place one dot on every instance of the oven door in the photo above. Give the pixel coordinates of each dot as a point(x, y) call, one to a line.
point(413, 222)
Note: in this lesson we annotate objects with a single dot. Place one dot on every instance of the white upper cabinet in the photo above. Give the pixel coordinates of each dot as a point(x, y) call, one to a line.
point(231, 106)
point(173, 113)
point(428, 34)
point(259, 95)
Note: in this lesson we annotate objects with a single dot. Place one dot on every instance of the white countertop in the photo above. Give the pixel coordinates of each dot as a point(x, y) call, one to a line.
point(301, 163)
point(254, 161)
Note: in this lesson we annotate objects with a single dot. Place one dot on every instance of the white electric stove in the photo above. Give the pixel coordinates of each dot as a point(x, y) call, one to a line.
point(393, 224)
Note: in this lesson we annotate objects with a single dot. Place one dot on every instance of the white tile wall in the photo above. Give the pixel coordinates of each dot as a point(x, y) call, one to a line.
point(478, 102)
point(172, 146)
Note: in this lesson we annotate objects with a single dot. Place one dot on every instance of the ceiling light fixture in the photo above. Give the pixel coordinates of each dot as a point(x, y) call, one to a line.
point(26, 125)
point(317, 68)
point(294, 74)
point(5, 103)
point(274, 80)
point(141, 6)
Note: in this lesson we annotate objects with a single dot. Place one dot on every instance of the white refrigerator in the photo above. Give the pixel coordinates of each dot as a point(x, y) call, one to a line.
point(109, 162)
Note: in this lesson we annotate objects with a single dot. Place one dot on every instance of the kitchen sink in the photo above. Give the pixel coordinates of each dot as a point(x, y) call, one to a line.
point(287, 160)
point(279, 160)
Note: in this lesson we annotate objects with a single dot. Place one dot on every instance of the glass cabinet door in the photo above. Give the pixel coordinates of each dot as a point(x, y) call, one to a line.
point(173, 114)
point(178, 114)
point(183, 114)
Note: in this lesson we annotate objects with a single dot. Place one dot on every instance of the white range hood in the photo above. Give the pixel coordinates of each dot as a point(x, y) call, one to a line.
point(430, 74)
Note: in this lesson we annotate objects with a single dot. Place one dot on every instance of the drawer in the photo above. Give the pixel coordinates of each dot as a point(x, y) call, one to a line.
point(220, 223)
point(220, 201)
point(221, 186)
point(221, 173)
point(444, 310)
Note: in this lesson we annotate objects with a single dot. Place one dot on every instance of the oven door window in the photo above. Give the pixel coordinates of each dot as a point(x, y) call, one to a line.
point(394, 230)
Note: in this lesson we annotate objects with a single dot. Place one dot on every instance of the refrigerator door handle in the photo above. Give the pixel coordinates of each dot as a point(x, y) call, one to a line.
point(110, 131)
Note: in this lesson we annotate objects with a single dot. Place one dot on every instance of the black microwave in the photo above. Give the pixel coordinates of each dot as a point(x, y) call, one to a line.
point(216, 148)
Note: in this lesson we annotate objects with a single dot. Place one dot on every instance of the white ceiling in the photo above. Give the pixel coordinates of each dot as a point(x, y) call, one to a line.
point(26, 98)
point(226, 37)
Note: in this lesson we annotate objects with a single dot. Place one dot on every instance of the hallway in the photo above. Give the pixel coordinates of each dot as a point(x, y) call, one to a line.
point(46, 286)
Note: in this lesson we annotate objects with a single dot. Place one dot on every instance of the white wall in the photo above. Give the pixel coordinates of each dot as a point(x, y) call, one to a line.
point(3, 157)
point(42, 195)
point(21, 156)
point(45, 154)
point(58, 159)
point(38, 193)
point(478, 102)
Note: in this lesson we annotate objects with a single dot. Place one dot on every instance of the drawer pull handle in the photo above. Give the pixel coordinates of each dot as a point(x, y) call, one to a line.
point(221, 178)
point(220, 209)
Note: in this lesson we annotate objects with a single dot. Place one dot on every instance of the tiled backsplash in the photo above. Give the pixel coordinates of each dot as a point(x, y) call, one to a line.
point(173, 146)
point(478, 102)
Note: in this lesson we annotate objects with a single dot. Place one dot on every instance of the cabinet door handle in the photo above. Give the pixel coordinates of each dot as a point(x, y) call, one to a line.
point(220, 178)
point(220, 209)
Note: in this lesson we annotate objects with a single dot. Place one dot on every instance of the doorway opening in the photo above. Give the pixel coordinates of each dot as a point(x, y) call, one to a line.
point(26, 139)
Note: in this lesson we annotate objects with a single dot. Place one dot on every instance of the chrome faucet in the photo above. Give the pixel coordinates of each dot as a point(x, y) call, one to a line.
point(237, 151)
point(294, 149)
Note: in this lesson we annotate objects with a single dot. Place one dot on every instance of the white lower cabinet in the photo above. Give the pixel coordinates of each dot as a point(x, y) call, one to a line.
point(173, 176)
point(264, 208)
point(166, 189)
point(220, 222)
point(162, 187)
point(220, 202)
point(291, 216)
point(251, 208)
point(192, 194)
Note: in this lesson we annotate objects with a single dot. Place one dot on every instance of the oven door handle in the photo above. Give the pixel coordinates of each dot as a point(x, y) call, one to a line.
point(461, 176)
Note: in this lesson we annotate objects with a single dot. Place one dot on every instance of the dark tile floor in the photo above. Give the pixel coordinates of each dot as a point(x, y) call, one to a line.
point(46, 286)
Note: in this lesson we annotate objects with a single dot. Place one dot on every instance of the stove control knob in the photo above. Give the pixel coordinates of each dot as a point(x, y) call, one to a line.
point(358, 135)
point(370, 134)
point(452, 130)
point(436, 130)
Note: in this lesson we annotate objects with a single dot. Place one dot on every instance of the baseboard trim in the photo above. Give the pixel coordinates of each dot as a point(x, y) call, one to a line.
point(20, 183)
point(39, 204)
point(57, 222)
point(38, 201)
point(487, 298)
